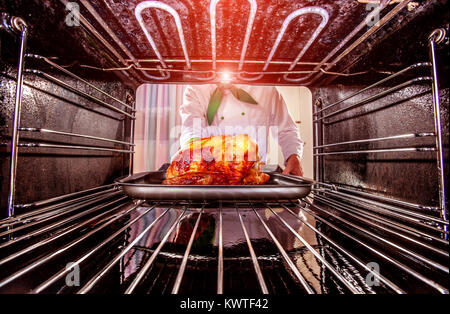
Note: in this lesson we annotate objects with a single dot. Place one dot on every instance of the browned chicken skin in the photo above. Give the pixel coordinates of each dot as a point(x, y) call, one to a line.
point(223, 159)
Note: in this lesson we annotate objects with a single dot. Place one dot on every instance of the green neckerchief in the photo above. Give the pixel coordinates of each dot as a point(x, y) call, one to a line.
point(217, 95)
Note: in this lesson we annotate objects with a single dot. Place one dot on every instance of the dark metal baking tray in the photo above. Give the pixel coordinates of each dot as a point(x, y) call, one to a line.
point(148, 186)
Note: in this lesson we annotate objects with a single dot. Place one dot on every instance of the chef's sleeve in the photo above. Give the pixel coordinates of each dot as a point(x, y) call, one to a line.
point(194, 123)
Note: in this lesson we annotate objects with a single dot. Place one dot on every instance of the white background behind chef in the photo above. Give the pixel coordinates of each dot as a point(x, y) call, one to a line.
point(299, 103)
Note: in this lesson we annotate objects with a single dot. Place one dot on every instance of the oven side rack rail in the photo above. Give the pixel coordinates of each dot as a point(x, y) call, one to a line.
point(327, 114)
point(18, 26)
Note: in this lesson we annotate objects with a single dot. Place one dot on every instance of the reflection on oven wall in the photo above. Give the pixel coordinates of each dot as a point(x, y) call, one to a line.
point(158, 125)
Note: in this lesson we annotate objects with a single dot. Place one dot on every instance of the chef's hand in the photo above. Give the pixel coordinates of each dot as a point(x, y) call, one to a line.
point(293, 166)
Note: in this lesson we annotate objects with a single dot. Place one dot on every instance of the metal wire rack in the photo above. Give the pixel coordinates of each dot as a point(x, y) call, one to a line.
point(319, 245)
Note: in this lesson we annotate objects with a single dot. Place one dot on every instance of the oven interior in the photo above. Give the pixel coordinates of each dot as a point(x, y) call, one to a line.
point(375, 221)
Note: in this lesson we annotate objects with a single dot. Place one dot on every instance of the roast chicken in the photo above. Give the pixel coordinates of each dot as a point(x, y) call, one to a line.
point(222, 159)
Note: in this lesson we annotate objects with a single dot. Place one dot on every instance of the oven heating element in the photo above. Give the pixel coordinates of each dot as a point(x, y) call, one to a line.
point(318, 70)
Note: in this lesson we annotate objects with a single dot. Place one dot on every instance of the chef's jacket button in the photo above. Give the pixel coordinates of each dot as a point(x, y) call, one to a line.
point(222, 118)
point(243, 113)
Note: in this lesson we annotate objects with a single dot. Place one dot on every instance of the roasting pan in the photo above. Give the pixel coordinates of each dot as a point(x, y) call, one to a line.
point(148, 186)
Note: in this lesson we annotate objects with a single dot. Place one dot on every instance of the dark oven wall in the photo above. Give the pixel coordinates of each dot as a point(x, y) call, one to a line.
point(408, 176)
point(44, 173)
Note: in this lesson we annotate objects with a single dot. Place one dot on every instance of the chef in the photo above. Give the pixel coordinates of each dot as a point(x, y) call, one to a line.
point(209, 110)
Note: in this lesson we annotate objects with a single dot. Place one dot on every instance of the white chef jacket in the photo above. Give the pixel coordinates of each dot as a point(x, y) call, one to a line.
point(237, 117)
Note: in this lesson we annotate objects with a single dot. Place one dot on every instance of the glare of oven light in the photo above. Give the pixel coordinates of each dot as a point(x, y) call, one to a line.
point(225, 77)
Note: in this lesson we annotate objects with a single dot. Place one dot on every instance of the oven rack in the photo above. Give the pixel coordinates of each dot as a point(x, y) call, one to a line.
point(77, 91)
point(323, 114)
point(137, 69)
point(78, 228)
